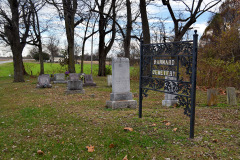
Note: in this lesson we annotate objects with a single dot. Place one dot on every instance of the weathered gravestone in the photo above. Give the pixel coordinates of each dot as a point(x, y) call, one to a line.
point(109, 80)
point(74, 85)
point(88, 80)
point(59, 78)
point(74, 77)
point(231, 96)
point(121, 97)
point(170, 99)
point(44, 81)
point(212, 97)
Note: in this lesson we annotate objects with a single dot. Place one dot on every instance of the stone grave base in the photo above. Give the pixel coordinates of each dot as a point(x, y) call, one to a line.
point(169, 103)
point(121, 104)
point(89, 84)
point(55, 82)
point(120, 96)
point(44, 86)
point(75, 91)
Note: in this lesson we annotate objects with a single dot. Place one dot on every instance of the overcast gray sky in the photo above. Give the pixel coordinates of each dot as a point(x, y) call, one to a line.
point(58, 26)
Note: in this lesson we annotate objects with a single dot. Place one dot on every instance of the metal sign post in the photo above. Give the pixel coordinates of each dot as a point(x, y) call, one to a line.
point(170, 68)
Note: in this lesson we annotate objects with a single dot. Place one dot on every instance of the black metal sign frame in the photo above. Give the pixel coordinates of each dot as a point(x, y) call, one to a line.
point(170, 68)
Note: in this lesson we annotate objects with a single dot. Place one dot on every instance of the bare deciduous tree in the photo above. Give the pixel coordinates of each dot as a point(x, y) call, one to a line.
point(105, 22)
point(145, 25)
point(193, 11)
point(52, 46)
point(14, 29)
point(36, 38)
point(69, 11)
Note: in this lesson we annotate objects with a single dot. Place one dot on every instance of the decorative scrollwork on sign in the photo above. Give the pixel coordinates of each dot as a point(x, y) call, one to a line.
point(171, 87)
point(159, 84)
point(145, 92)
point(162, 70)
point(186, 102)
point(173, 48)
point(170, 68)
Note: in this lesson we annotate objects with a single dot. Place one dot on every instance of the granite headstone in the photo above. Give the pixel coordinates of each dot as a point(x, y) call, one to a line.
point(44, 81)
point(212, 99)
point(121, 97)
point(59, 78)
point(109, 80)
point(74, 77)
point(231, 96)
point(88, 80)
point(74, 86)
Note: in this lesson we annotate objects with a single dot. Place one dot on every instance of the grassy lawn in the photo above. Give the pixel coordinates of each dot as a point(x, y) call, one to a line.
point(63, 125)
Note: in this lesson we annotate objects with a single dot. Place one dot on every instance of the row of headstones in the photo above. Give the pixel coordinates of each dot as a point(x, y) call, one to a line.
point(212, 96)
point(74, 83)
point(121, 97)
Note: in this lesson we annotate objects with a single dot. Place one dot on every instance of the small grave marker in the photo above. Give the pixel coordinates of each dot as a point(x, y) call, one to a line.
point(109, 80)
point(74, 77)
point(74, 87)
point(59, 78)
point(44, 81)
point(231, 96)
point(212, 97)
point(88, 80)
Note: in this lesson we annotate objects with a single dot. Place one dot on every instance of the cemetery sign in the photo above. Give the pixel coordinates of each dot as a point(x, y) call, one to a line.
point(170, 68)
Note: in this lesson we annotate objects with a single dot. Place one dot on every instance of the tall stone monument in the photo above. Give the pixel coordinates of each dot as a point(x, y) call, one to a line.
point(121, 97)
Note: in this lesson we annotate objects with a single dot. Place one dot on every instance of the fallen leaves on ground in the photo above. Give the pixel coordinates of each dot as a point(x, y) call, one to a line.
point(168, 124)
point(125, 158)
point(215, 140)
point(112, 146)
point(154, 124)
point(90, 148)
point(176, 105)
point(39, 152)
point(222, 92)
point(175, 129)
point(128, 129)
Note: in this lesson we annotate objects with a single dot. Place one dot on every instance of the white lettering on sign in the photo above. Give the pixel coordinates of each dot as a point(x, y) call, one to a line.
point(164, 62)
point(163, 73)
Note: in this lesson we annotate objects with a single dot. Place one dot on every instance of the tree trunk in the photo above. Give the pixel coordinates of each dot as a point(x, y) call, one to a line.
point(41, 58)
point(71, 64)
point(69, 15)
point(18, 65)
point(145, 25)
point(103, 50)
point(101, 45)
point(102, 68)
point(127, 39)
point(82, 59)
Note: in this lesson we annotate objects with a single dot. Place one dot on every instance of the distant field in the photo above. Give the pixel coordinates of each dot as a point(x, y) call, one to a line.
point(33, 68)
point(49, 68)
